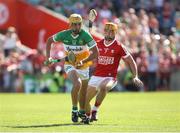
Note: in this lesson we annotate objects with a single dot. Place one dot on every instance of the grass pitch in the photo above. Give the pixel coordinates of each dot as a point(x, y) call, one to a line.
point(120, 112)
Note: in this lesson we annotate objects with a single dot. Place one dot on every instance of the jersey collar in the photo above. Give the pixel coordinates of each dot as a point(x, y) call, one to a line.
point(74, 36)
point(107, 45)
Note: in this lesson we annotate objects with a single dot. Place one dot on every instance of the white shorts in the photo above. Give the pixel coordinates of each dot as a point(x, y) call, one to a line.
point(96, 81)
point(83, 73)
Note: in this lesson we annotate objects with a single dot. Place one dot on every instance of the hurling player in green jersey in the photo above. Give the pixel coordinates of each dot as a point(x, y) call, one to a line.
point(81, 43)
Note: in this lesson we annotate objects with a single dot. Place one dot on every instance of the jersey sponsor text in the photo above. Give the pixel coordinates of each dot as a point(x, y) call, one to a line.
point(77, 48)
point(105, 60)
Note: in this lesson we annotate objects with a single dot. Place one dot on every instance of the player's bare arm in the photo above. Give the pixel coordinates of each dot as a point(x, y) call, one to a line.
point(133, 67)
point(48, 48)
point(93, 54)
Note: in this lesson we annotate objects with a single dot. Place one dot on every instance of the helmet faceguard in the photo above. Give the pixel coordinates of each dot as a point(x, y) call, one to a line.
point(75, 18)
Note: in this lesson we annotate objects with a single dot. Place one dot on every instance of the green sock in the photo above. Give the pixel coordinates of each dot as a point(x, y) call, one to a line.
point(74, 109)
point(82, 111)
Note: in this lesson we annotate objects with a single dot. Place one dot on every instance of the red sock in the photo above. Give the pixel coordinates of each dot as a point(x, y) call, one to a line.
point(97, 104)
point(88, 114)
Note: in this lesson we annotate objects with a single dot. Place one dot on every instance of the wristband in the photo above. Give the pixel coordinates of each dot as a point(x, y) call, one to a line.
point(90, 24)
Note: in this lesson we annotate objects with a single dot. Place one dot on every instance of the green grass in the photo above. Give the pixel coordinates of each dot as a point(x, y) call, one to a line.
point(120, 112)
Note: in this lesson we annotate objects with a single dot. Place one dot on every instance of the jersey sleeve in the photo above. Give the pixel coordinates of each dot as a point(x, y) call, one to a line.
point(124, 52)
point(89, 40)
point(58, 37)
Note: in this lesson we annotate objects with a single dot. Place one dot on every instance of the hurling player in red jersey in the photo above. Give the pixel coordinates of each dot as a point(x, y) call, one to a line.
point(104, 78)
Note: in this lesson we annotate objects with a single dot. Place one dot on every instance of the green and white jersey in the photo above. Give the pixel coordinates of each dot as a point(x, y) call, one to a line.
point(80, 43)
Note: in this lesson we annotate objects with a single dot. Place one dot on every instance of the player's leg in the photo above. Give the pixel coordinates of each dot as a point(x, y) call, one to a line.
point(84, 75)
point(91, 92)
point(104, 87)
point(82, 98)
point(77, 83)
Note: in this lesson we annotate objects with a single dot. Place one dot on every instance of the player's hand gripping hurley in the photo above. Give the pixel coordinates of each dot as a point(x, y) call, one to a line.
point(71, 57)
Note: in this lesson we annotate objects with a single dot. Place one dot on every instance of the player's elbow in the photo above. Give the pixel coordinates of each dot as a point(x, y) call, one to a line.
point(129, 60)
point(95, 52)
point(49, 41)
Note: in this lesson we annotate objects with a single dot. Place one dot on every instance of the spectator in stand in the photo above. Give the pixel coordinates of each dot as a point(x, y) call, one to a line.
point(142, 65)
point(167, 18)
point(134, 27)
point(158, 5)
point(37, 60)
point(105, 12)
point(165, 62)
point(153, 24)
point(143, 15)
point(1, 72)
point(173, 44)
point(152, 70)
point(11, 41)
point(175, 72)
point(27, 67)
point(10, 67)
point(80, 9)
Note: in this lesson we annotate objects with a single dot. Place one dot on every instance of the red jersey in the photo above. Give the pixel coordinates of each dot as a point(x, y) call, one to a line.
point(109, 58)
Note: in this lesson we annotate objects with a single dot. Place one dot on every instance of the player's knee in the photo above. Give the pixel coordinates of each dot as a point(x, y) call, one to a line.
point(77, 85)
point(103, 89)
point(87, 100)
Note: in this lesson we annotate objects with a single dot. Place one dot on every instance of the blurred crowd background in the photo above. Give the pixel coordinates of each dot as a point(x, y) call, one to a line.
point(150, 29)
